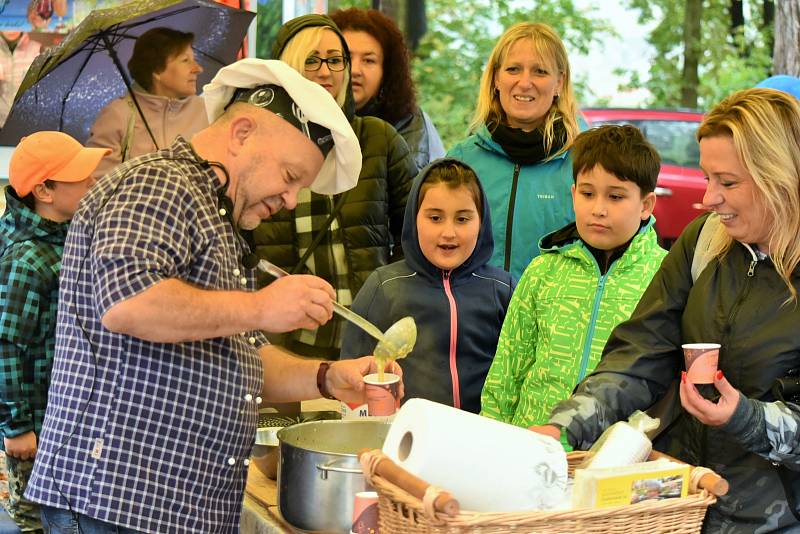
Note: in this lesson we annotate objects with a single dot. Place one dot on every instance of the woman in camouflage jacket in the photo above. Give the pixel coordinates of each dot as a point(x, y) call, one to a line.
point(746, 299)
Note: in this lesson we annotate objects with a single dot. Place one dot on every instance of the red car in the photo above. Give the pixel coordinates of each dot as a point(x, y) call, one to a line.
point(681, 183)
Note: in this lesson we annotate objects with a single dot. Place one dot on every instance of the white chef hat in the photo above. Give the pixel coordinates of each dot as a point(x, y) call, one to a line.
point(313, 112)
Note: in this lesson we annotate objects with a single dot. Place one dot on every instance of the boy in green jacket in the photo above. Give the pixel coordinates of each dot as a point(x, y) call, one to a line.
point(588, 278)
point(49, 173)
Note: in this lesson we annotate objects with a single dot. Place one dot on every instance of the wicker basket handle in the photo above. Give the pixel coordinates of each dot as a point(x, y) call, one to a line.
point(434, 499)
point(700, 477)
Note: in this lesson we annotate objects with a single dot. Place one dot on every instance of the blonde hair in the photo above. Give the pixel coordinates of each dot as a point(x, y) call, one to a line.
point(301, 46)
point(549, 47)
point(765, 127)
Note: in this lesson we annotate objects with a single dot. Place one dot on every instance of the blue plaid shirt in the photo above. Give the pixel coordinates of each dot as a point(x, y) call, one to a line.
point(150, 436)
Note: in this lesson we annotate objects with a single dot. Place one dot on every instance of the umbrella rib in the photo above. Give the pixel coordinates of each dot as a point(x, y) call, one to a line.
point(209, 56)
point(142, 22)
point(113, 53)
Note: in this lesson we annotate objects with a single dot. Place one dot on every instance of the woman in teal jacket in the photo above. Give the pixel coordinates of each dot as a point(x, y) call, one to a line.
point(524, 124)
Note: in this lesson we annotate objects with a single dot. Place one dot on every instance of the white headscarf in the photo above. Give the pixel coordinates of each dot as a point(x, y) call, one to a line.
point(342, 165)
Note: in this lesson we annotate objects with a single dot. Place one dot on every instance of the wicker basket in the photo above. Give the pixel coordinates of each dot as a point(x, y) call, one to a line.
point(401, 513)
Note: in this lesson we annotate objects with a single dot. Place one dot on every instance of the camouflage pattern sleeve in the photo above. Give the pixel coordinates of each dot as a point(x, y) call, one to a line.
point(769, 429)
point(599, 402)
point(516, 353)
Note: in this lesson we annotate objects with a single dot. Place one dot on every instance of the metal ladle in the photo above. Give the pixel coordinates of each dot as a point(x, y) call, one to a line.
point(396, 342)
point(399, 340)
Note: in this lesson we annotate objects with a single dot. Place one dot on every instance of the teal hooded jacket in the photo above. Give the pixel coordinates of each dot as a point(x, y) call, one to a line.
point(527, 201)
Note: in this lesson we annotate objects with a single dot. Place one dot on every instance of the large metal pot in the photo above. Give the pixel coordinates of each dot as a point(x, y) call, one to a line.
point(319, 473)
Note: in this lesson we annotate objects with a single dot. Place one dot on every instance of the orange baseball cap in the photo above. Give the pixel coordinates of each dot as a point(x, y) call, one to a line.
point(51, 156)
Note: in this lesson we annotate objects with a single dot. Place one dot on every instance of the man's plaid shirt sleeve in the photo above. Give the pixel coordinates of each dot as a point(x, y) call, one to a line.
point(21, 299)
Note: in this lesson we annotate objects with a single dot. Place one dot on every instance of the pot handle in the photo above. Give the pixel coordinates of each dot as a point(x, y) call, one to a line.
point(324, 468)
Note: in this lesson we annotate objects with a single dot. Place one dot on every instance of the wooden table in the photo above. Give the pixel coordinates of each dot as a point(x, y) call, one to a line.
point(260, 513)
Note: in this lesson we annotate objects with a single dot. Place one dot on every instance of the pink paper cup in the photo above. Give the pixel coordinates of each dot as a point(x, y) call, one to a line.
point(701, 361)
point(382, 397)
point(365, 513)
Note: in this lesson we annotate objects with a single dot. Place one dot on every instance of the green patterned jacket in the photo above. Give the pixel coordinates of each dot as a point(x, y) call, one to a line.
point(559, 319)
point(30, 260)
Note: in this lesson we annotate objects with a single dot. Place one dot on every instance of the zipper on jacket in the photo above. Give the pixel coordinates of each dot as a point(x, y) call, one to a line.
point(751, 271)
point(453, 336)
point(598, 297)
point(512, 199)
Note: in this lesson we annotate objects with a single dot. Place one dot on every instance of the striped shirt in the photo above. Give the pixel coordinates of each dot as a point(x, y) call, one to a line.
point(149, 436)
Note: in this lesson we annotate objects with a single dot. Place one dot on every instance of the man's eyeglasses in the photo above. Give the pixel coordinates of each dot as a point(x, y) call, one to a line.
point(335, 63)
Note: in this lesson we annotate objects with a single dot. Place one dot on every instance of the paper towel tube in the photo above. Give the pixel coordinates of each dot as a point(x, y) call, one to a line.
point(376, 462)
point(487, 465)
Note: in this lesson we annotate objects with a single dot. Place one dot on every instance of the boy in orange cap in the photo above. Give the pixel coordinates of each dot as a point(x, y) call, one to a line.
point(49, 172)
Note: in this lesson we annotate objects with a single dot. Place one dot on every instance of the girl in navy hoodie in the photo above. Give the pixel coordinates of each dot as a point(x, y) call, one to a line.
point(457, 300)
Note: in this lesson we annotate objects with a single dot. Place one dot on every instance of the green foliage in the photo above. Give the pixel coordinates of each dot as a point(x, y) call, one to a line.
point(333, 5)
point(728, 63)
point(450, 59)
point(268, 22)
point(452, 55)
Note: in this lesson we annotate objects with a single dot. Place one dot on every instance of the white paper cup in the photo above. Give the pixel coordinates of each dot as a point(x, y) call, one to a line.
point(383, 398)
point(701, 361)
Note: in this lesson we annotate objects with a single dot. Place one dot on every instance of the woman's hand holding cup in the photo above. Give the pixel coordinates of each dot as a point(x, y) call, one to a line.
point(708, 412)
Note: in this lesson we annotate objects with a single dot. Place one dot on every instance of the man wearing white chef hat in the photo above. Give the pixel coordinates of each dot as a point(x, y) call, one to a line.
point(160, 361)
point(308, 104)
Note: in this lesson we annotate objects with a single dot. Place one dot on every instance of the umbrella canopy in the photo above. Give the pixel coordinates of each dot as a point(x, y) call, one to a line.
point(67, 85)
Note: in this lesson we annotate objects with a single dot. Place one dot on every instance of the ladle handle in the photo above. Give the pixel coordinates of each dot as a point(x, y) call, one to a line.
point(340, 309)
point(359, 321)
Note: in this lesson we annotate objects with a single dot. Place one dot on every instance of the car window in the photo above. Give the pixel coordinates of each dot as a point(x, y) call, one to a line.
point(674, 140)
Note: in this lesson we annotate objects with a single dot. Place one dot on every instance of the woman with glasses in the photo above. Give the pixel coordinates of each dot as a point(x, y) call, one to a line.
point(165, 73)
point(382, 83)
point(525, 122)
point(341, 238)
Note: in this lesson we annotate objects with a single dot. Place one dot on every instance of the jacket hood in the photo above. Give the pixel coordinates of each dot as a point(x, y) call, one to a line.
point(568, 243)
point(292, 27)
point(20, 223)
point(567, 235)
point(410, 237)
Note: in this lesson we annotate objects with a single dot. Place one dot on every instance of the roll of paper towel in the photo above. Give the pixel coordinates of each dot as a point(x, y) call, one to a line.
point(487, 465)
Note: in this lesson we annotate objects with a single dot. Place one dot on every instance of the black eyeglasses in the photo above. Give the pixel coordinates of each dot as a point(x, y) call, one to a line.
point(335, 63)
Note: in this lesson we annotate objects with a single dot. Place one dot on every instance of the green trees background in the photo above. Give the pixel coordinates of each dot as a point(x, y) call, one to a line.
point(702, 49)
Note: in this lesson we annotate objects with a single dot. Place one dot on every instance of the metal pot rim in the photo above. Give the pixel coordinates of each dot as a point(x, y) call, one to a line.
point(286, 435)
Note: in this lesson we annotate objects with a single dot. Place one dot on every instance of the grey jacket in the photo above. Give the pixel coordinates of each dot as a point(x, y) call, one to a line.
point(739, 302)
point(421, 137)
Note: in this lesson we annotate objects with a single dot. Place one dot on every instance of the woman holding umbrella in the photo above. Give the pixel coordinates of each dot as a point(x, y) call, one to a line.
point(165, 87)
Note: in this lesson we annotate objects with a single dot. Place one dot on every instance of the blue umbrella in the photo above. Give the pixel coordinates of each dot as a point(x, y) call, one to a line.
point(67, 85)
